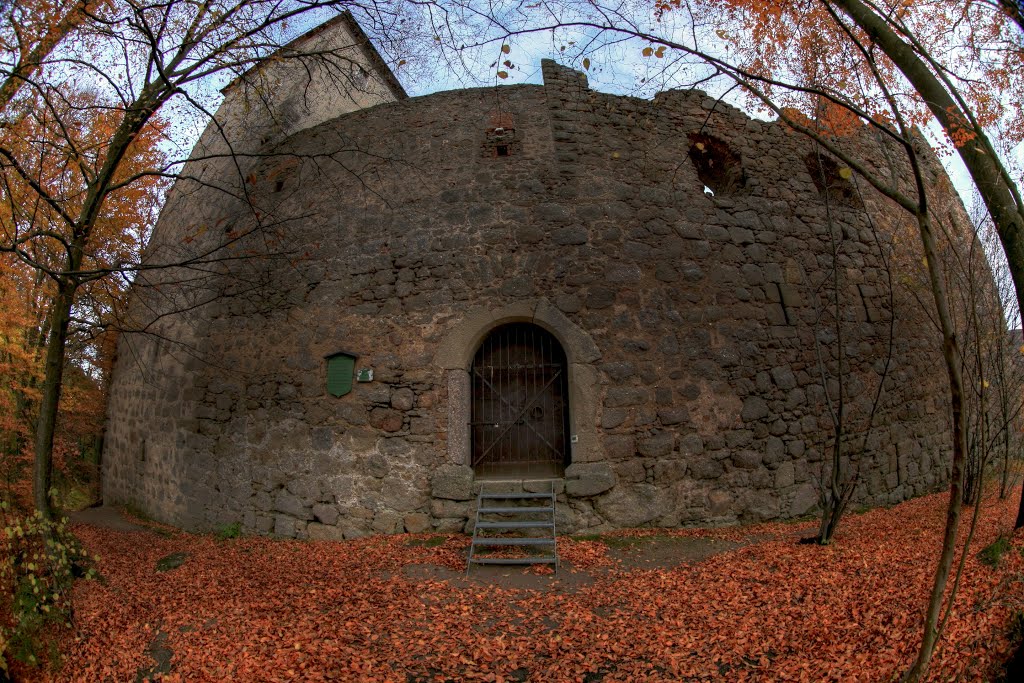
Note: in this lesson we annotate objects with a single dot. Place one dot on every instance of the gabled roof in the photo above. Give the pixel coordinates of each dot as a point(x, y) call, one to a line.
point(362, 41)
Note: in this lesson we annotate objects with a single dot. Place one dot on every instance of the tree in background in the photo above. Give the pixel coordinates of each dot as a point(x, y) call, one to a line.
point(992, 363)
point(80, 162)
point(38, 191)
point(849, 398)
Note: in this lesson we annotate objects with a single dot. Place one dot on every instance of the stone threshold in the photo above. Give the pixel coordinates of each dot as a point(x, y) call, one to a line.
point(517, 484)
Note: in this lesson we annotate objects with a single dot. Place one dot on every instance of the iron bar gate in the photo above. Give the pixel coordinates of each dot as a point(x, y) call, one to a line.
point(519, 417)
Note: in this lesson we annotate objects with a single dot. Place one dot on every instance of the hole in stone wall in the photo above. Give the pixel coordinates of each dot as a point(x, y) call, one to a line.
point(278, 186)
point(834, 182)
point(500, 142)
point(359, 76)
point(719, 168)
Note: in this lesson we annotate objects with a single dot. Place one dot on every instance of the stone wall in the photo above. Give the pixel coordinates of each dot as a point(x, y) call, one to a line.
point(704, 333)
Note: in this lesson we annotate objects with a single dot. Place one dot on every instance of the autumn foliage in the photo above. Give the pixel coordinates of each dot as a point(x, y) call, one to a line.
point(812, 45)
point(48, 154)
point(398, 608)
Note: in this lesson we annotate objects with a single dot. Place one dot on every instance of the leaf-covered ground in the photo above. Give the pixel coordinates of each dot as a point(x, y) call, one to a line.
point(398, 609)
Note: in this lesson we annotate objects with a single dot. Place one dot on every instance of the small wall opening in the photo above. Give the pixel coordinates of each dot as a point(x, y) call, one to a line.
point(500, 142)
point(359, 77)
point(834, 182)
point(719, 168)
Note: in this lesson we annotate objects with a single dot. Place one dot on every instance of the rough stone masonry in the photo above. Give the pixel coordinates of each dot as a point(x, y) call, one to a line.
point(714, 282)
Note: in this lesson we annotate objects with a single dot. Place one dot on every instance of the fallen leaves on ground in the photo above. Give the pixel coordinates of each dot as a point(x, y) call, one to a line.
point(256, 609)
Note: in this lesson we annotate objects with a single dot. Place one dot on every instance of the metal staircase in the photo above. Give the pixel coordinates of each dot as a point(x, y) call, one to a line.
point(507, 520)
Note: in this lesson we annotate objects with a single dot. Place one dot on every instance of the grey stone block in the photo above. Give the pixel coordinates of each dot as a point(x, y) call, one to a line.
point(669, 471)
point(747, 460)
point(588, 479)
point(327, 514)
point(453, 482)
point(631, 471)
point(673, 416)
point(762, 505)
point(322, 438)
point(804, 501)
point(706, 468)
point(633, 505)
point(613, 417)
point(624, 396)
point(307, 489)
point(387, 522)
point(441, 508)
point(416, 522)
point(291, 505)
point(403, 399)
point(284, 526)
point(619, 446)
point(754, 408)
point(544, 485)
point(784, 378)
point(449, 526)
point(377, 465)
point(691, 444)
point(785, 476)
point(720, 503)
point(324, 532)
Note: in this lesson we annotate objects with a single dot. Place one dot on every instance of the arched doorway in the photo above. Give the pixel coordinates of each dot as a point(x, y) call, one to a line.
point(520, 410)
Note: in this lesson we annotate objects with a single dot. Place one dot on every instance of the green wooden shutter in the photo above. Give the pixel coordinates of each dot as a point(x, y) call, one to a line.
point(339, 373)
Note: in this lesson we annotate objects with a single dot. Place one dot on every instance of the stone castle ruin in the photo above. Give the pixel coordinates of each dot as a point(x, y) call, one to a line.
point(651, 305)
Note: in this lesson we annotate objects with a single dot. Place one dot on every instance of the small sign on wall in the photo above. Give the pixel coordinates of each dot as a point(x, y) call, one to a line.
point(339, 372)
point(364, 375)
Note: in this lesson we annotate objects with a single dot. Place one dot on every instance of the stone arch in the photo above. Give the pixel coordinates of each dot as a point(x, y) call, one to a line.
point(456, 350)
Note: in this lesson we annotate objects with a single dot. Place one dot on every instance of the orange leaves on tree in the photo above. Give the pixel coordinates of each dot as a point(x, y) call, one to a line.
point(961, 134)
point(806, 44)
point(52, 150)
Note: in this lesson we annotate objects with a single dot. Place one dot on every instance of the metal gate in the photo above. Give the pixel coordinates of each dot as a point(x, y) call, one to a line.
point(520, 411)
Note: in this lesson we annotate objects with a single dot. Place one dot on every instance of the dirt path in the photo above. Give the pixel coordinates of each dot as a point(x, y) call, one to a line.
point(656, 551)
point(627, 553)
point(105, 517)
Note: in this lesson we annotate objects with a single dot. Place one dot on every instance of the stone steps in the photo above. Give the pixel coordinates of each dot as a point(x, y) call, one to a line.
point(517, 517)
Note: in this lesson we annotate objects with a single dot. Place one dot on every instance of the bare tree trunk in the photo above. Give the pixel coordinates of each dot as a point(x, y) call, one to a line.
point(1020, 511)
point(42, 472)
point(1002, 201)
point(829, 520)
point(951, 356)
point(1004, 483)
point(832, 493)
